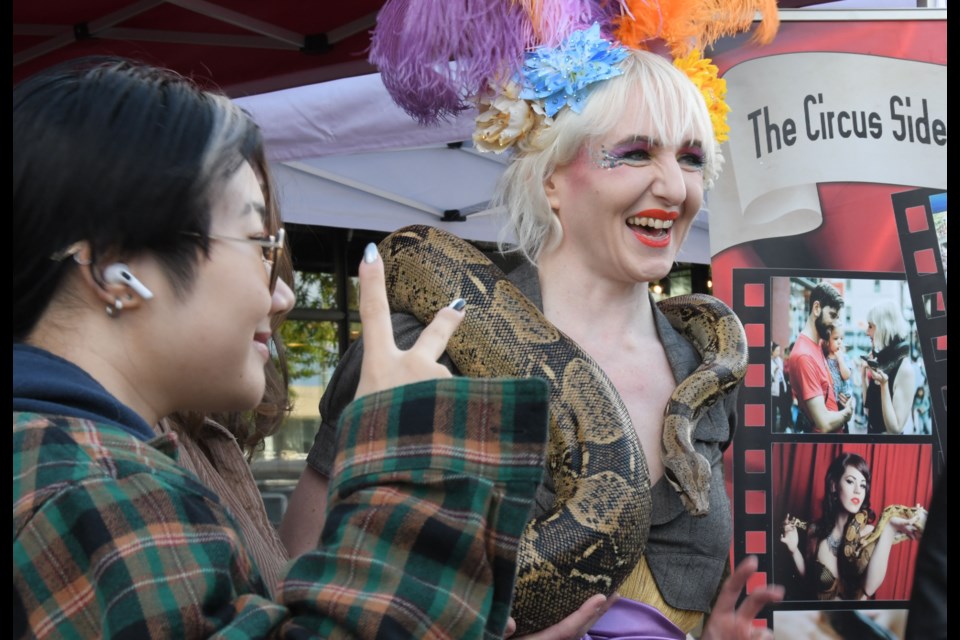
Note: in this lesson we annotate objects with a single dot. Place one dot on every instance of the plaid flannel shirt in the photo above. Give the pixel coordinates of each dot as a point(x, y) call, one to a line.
point(434, 485)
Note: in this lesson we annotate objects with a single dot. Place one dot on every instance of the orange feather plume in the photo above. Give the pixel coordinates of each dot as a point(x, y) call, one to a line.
point(684, 25)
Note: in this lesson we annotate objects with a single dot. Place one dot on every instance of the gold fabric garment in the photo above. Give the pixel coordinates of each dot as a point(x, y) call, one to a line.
point(641, 586)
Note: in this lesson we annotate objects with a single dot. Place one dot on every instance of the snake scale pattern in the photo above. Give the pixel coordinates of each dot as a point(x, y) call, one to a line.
point(858, 548)
point(595, 534)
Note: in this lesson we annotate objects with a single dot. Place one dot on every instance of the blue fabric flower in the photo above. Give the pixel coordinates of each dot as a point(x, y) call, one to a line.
point(562, 75)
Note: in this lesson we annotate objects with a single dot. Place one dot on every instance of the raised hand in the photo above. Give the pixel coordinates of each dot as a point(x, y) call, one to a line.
point(911, 528)
point(790, 535)
point(727, 621)
point(385, 366)
point(879, 377)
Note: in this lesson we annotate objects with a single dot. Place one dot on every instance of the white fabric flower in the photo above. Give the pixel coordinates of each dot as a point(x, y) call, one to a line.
point(506, 118)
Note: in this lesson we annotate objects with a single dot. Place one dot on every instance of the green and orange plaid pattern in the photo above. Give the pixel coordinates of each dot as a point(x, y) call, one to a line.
point(434, 485)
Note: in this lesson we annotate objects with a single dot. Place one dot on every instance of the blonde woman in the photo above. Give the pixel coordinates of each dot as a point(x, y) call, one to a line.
point(889, 387)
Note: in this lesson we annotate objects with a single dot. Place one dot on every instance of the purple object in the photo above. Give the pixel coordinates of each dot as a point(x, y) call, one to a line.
point(414, 44)
point(631, 620)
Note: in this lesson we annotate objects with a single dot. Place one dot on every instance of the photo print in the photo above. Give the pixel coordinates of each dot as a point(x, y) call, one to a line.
point(847, 518)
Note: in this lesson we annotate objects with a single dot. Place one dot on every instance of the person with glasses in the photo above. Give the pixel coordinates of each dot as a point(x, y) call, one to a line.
point(147, 282)
point(217, 447)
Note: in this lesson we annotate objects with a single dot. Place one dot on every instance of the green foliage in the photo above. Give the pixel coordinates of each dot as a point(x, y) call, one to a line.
point(312, 347)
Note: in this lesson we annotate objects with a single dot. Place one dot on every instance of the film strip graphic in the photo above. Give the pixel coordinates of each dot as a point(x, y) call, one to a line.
point(758, 295)
point(921, 216)
point(752, 454)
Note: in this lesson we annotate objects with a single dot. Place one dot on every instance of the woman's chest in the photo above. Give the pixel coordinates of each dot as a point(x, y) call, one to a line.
point(645, 384)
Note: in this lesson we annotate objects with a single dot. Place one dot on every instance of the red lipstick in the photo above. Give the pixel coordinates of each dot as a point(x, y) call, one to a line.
point(652, 226)
point(659, 214)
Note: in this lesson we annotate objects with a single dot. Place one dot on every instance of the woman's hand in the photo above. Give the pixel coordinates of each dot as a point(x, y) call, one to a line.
point(573, 626)
point(911, 528)
point(897, 526)
point(385, 366)
point(879, 377)
point(790, 535)
point(729, 622)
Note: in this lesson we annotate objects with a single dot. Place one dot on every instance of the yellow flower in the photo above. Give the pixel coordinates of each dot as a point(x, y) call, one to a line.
point(703, 73)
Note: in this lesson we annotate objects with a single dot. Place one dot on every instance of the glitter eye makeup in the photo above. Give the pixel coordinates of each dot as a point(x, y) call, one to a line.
point(639, 151)
point(634, 154)
point(603, 159)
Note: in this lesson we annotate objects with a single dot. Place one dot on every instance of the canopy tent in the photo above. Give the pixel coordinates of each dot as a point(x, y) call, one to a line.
point(241, 47)
point(344, 155)
point(244, 47)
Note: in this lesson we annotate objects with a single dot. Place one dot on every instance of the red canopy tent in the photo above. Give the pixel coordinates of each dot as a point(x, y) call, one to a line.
point(243, 47)
point(342, 153)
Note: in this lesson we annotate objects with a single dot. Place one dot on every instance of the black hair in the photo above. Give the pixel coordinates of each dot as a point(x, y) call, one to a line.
point(124, 156)
point(830, 506)
point(827, 295)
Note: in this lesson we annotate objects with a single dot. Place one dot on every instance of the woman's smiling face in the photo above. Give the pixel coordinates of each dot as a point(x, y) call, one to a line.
point(627, 201)
point(214, 340)
point(852, 489)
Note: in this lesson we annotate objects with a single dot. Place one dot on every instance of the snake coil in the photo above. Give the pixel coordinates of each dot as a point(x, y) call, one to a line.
point(597, 530)
point(858, 549)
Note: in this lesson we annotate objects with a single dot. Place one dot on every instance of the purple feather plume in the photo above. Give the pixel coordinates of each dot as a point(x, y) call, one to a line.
point(555, 20)
point(415, 42)
point(436, 55)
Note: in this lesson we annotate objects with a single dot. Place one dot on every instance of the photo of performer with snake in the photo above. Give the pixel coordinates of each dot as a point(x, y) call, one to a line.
point(845, 552)
point(612, 150)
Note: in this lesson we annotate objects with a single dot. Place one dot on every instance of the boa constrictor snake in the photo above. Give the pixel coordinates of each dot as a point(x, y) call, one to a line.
point(595, 534)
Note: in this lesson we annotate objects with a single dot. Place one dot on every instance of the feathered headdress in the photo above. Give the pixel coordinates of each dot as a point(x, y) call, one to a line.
point(522, 61)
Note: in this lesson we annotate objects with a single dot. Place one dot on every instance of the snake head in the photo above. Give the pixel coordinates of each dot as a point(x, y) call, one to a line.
point(687, 470)
point(694, 490)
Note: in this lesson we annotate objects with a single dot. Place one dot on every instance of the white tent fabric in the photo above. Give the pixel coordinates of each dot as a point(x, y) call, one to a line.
point(344, 155)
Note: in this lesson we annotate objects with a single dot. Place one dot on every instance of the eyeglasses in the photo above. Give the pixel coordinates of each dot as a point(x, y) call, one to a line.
point(272, 247)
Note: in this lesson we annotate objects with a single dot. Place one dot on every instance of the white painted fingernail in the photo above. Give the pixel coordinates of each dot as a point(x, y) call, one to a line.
point(458, 304)
point(370, 253)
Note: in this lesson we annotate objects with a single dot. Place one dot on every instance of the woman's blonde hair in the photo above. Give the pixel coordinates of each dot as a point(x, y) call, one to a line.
point(890, 326)
point(668, 101)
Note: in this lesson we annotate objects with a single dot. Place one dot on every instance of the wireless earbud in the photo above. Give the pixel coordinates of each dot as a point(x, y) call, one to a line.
point(119, 273)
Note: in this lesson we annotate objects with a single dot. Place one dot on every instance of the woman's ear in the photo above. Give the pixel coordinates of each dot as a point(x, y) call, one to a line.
point(120, 273)
point(552, 192)
point(114, 285)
